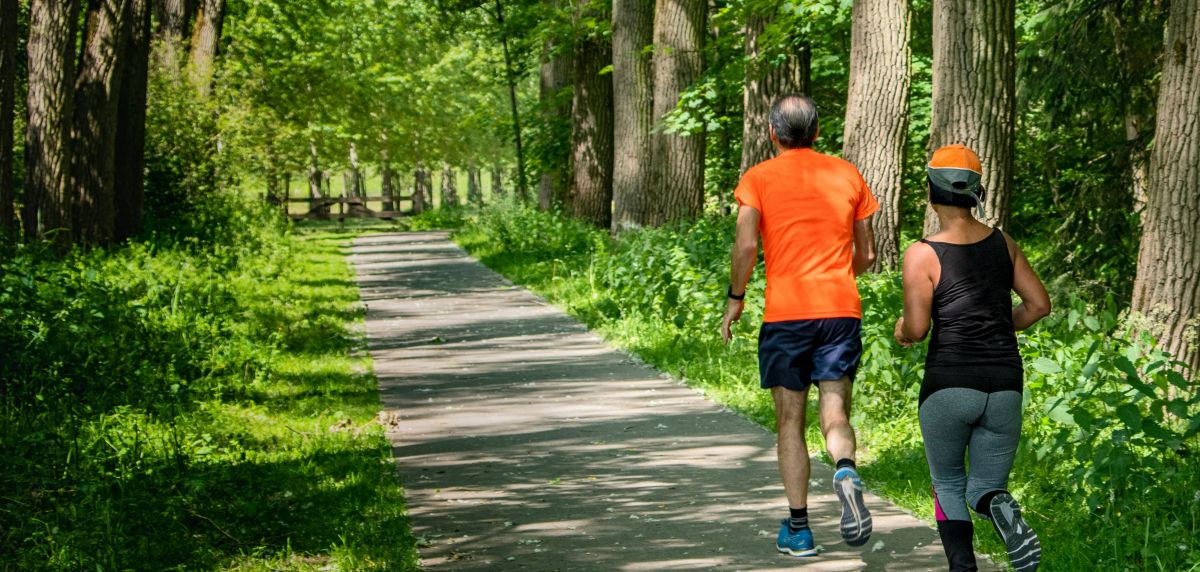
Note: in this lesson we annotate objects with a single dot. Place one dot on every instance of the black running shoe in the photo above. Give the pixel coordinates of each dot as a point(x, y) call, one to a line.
point(1024, 549)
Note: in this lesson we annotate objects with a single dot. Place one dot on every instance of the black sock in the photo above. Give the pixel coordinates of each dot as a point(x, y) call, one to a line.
point(957, 542)
point(843, 463)
point(798, 520)
point(984, 506)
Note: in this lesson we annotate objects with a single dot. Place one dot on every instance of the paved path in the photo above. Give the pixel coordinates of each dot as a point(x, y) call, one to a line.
point(524, 442)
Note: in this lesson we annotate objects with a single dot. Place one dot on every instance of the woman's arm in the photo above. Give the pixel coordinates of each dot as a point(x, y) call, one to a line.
point(1035, 303)
point(920, 273)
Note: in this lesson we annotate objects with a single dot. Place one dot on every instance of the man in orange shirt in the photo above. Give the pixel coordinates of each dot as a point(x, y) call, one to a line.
point(813, 212)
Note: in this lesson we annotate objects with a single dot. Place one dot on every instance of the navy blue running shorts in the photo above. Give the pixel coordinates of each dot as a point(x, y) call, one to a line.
point(796, 353)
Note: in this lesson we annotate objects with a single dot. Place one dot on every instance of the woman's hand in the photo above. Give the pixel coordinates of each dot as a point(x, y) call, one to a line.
point(899, 333)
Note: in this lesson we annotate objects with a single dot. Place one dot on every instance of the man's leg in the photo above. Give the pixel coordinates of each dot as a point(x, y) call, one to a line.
point(790, 415)
point(834, 404)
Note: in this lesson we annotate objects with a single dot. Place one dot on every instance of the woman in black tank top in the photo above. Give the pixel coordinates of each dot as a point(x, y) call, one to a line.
point(960, 281)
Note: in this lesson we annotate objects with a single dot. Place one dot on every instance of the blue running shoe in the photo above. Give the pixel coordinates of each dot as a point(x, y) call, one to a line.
point(799, 543)
point(856, 519)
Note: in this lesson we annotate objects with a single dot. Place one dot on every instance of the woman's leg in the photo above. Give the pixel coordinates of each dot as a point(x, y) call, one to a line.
point(992, 449)
point(947, 417)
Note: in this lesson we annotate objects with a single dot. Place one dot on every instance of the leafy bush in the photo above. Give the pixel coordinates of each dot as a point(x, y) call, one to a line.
point(1110, 423)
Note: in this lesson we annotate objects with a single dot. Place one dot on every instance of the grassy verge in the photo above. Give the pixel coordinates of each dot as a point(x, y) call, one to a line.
point(1103, 470)
point(193, 404)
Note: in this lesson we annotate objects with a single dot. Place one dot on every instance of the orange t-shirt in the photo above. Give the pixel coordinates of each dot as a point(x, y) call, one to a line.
point(808, 204)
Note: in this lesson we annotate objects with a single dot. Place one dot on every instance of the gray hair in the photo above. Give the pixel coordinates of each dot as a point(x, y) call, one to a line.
point(794, 119)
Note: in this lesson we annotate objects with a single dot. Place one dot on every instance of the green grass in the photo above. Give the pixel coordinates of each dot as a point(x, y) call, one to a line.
point(1104, 475)
point(221, 417)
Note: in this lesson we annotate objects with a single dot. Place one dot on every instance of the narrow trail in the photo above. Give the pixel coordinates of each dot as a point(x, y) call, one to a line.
point(525, 442)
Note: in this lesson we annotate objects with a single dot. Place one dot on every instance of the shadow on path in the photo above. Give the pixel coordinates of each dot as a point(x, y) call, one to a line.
point(526, 443)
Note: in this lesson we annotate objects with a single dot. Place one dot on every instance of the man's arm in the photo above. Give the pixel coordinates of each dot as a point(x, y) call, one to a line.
point(742, 261)
point(864, 245)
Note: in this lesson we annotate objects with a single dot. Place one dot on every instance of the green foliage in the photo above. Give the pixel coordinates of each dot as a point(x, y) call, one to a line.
point(1110, 424)
point(189, 401)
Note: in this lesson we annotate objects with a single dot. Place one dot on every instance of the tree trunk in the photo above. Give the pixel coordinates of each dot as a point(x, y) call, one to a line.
point(129, 186)
point(510, 76)
point(449, 187)
point(633, 111)
point(677, 187)
point(206, 38)
point(877, 113)
point(592, 128)
point(171, 37)
point(556, 113)
point(1167, 287)
point(385, 186)
point(497, 183)
point(51, 49)
point(8, 80)
point(474, 184)
point(974, 93)
point(764, 82)
point(420, 190)
point(316, 178)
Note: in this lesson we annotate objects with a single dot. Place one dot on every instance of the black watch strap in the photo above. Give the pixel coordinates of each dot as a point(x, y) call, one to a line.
point(739, 297)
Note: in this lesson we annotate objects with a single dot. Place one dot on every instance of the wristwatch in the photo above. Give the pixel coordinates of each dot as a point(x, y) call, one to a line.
point(732, 296)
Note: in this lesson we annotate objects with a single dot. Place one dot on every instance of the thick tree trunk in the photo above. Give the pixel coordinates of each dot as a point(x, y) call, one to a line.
point(172, 35)
point(474, 184)
point(556, 113)
point(677, 187)
point(129, 176)
point(592, 129)
point(206, 38)
point(1167, 287)
point(974, 93)
point(633, 111)
point(449, 186)
point(877, 112)
point(8, 80)
point(764, 82)
point(51, 49)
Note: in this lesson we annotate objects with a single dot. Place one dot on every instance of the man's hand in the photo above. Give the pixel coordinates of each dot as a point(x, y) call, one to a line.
point(733, 312)
point(899, 333)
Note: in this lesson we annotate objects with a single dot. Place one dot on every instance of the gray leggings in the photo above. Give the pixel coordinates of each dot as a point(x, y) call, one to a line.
point(956, 420)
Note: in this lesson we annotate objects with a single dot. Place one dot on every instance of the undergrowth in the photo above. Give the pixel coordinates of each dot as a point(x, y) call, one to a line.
point(1105, 469)
point(193, 400)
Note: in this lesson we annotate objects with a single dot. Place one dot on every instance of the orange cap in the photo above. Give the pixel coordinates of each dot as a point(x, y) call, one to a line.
point(955, 157)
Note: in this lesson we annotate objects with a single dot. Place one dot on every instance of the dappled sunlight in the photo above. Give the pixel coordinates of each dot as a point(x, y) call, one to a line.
point(525, 442)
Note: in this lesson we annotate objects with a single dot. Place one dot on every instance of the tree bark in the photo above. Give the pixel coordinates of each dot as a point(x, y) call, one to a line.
point(129, 186)
point(206, 39)
point(497, 183)
point(677, 184)
point(171, 36)
point(633, 111)
point(555, 77)
point(1167, 287)
point(51, 49)
point(474, 184)
point(974, 93)
point(386, 186)
point(877, 113)
point(592, 129)
point(8, 80)
point(511, 76)
point(420, 190)
point(764, 82)
point(449, 187)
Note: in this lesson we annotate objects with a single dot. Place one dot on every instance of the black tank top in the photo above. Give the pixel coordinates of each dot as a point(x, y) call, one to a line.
point(972, 309)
